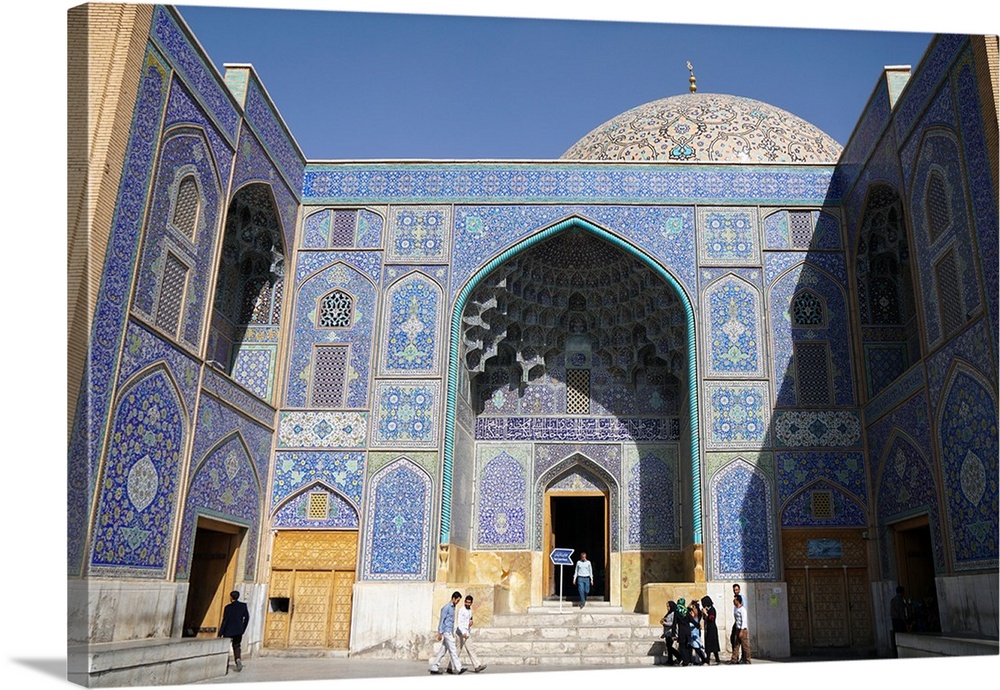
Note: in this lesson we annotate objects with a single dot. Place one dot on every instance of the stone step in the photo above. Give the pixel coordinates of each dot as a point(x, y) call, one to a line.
point(569, 660)
point(546, 633)
point(576, 619)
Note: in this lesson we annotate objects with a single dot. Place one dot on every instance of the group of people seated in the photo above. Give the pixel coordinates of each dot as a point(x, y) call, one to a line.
point(690, 633)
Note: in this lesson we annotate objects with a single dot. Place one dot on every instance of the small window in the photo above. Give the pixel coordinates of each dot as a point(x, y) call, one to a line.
point(578, 391)
point(336, 310)
point(170, 306)
point(319, 506)
point(949, 294)
point(937, 206)
point(822, 505)
point(329, 376)
point(807, 310)
point(186, 205)
point(812, 372)
point(801, 228)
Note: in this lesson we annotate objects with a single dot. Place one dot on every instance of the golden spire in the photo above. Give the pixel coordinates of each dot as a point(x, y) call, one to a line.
point(694, 86)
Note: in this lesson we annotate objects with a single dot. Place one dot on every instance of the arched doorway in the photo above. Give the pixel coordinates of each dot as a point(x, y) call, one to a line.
point(572, 338)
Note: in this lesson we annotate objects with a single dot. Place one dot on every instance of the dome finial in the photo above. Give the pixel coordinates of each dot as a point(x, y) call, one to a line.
point(694, 86)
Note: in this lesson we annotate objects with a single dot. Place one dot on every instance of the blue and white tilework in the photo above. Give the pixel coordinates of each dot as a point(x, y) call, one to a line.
point(371, 226)
point(419, 234)
point(254, 165)
point(222, 387)
point(825, 231)
point(183, 110)
point(254, 369)
point(224, 485)
point(338, 276)
point(293, 513)
point(140, 480)
point(653, 489)
point(846, 512)
point(742, 514)
point(737, 414)
point(834, 330)
point(816, 428)
point(411, 326)
point(407, 414)
point(195, 69)
point(799, 473)
point(316, 229)
point(553, 462)
point(502, 514)
point(267, 124)
point(96, 389)
point(343, 472)
point(143, 348)
point(217, 420)
point(969, 451)
point(733, 315)
point(728, 237)
point(397, 524)
point(971, 346)
point(326, 429)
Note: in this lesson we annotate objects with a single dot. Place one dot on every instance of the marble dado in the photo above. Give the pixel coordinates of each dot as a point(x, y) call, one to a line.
point(322, 429)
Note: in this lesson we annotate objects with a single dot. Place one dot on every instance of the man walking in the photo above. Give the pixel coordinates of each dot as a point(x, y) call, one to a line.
point(463, 628)
point(743, 636)
point(446, 636)
point(235, 618)
point(734, 634)
point(582, 577)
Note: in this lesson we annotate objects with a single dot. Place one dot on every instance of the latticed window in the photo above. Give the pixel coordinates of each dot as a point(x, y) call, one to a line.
point(335, 310)
point(578, 391)
point(937, 206)
point(807, 310)
point(319, 506)
point(822, 505)
point(186, 205)
point(801, 228)
point(329, 376)
point(948, 293)
point(812, 369)
point(344, 222)
point(171, 303)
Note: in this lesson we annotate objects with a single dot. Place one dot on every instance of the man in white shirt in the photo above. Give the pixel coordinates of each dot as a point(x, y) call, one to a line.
point(741, 623)
point(463, 628)
point(582, 577)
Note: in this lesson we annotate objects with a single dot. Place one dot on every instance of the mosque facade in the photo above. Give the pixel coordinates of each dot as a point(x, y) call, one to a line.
point(707, 345)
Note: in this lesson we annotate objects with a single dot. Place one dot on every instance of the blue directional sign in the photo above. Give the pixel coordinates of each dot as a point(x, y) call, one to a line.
point(561, 556)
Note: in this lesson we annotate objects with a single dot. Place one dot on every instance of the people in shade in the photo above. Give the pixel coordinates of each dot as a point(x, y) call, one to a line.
point(691, 632)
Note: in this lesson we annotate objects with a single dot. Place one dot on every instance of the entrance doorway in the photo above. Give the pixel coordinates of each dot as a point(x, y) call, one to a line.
point(915, 563)
point(579, 522)
point(213, 576)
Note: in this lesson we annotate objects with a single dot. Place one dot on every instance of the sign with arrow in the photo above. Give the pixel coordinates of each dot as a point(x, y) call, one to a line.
point(561, 556)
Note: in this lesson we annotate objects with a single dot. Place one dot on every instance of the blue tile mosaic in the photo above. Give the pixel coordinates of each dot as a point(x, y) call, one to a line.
point(824, 232)
point(653, 490)
point(737, 415)
point(742, 523)
point(254, 166)
point(419, 234)
point(844, 510)
point(816, 428)
point(578, 459)
point(397, 524)
point(326, 429)
point(407, 415)
point(845, 470)
point(411, 327)
point(343, 472)
point(577, 429)
point(969, 451)
point(140, 480)
point(502, 512)
point(226, 486)
point(735, 344)
point(254, 369)
point(266, 123)
point(728, 237)
point(87, 435)
point(294, 513)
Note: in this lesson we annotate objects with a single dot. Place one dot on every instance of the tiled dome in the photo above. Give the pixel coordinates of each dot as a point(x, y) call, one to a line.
point(707, 127)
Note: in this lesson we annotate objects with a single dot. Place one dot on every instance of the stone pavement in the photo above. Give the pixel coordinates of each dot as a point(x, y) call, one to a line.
point(280, 668)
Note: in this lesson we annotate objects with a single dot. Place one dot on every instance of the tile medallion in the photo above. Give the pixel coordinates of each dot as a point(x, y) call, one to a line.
point(728, 237)
point(800, 428)
point(328, 429)
point(411, 326)
point(737, 415)
point(734, 341)
point(407, 414)
point(397, 524)
point(419, 233)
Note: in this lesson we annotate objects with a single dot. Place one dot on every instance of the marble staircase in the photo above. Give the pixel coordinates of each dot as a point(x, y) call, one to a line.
point(599, 634)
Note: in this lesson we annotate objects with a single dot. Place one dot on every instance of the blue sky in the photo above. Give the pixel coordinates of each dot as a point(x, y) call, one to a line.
point(380, 85)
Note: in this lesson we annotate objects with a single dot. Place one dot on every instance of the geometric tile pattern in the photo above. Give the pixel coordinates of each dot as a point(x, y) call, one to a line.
point(969, 451)
point(139, 484)
point(784, 230)
point(306, 429)
point(737, 414)
point(728, 237)
point(397, 524)
point(254, 368)
point(742, 523)
point(734, 331)
point(844, 512)
point(412, 317)
point(795, 471)
point(223, 486)
point(420, 233)
point(407, 415)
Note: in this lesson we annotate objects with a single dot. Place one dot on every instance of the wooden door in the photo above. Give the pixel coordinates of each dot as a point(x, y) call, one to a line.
point(310, 609)
point(212, 577)
point(828, 608)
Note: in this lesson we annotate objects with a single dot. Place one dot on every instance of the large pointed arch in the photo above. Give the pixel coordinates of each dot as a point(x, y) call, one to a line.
point(458, 308)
